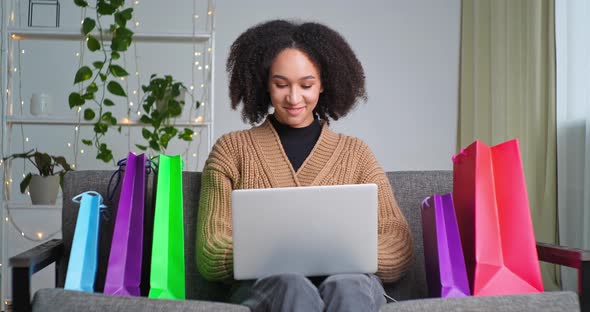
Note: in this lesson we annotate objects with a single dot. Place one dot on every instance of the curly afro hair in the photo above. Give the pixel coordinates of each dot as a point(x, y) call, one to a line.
point(252, 54)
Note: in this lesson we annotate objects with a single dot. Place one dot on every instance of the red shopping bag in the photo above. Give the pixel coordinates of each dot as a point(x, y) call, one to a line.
point(492, 207)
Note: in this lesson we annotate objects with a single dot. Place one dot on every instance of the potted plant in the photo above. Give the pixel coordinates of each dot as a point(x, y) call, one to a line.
point(43, 186)
point(163, 101)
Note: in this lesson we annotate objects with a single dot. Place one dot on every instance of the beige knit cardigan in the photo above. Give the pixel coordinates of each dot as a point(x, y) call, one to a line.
point(255, 158)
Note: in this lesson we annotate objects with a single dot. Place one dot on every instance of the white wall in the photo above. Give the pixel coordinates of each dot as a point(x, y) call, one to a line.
point(410, 52)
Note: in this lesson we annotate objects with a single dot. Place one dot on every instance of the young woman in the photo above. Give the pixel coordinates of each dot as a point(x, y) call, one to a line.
point(309, 75)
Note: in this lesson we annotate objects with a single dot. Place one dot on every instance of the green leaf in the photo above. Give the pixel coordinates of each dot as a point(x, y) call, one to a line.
point(120, 20)
point(117, 3)
point(84, 73)
point(120, 44)
point(186, 135)
point(81, 3)
point(124, 33)
point(25, 183)
point(127, 14)
point(154, 145)
point(118, 71)
point(89, 114)
point(98, 65)
point(88, 25)
point(174, 108)
point(105, 8)
point(88, 96)
point(115, 55)
point(164, 139)
point(100, 128)
point(115, 88)
point(146, 133)
point(92, 43)
point(75, 100)
point(145, 119)
point(108, 102)
point(87, 142)
point(92, 88)
point(119, 129)
point(141, 147)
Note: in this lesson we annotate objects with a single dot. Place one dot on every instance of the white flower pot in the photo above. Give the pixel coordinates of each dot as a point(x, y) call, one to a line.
point(44, 189)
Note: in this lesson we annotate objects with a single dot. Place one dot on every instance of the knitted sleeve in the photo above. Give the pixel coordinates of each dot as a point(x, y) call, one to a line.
point(214, 224)
point(394, 238)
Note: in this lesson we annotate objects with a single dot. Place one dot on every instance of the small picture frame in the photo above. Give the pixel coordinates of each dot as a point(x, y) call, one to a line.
point(43, 13)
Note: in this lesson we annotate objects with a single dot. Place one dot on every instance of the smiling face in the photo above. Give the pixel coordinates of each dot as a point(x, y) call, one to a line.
point(294, 86)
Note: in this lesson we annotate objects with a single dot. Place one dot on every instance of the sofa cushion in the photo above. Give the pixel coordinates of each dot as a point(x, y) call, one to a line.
point(60, 300)
point(547, 301)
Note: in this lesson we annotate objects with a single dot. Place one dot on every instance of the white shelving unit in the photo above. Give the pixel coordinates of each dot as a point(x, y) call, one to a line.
point(9, 119)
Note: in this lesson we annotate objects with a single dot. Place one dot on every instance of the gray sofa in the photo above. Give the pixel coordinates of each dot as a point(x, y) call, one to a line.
point(410, 292)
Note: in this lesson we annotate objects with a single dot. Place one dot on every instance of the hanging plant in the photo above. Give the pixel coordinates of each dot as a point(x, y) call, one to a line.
point(101, 78)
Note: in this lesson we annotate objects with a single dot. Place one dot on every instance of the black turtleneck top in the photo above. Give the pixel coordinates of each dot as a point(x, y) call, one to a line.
point(297, 142)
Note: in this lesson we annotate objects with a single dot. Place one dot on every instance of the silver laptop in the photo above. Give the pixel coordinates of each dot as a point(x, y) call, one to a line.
point(315, 231)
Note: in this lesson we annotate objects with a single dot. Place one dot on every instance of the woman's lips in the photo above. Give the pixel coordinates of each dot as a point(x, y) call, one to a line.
point(294, 111)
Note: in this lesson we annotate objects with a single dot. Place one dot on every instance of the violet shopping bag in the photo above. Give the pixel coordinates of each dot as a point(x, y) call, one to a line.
point(491, 202)
point(83, 261)
point(446, 275)
point(123, 275)
point(167, 274)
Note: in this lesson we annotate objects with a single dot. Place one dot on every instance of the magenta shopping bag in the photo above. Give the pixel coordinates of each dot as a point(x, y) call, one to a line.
point(124, 268)
point(446, 274)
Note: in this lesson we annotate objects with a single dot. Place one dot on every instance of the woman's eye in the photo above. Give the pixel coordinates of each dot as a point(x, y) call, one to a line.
point(280, 86)
point(306, 87)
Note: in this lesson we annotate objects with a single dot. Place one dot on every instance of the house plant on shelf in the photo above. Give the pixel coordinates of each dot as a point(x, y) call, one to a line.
point(43, 186)
point(162, 102)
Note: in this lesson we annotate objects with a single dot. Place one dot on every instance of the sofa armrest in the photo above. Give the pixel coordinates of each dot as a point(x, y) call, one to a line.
point(573, 258)
point(25, 264)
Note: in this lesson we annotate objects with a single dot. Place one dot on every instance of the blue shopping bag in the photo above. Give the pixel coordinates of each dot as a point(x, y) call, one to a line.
point(84, 254)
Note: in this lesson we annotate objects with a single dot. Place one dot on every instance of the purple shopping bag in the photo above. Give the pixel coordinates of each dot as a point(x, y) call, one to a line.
point(446, 274)
point(123, 276)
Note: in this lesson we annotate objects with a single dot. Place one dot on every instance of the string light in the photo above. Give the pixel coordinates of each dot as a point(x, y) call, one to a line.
point(82, 151)
point(22, 51)
point(197, 63)
point(196, 16)
point(192, 87)
point(136, 24)
point(194, 154)
point(202, 85)
point(200, 67)
point(39, 235)
point(69, 144)
point(77, 54)
point(134, 91)
point(26, 139)
point(130, 103)
point(76, 128)
point(210, 13)
point(79, 109)
point(6, 219)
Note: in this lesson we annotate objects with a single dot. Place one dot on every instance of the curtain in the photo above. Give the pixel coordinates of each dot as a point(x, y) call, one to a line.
point(507, 90)
point(572, 34)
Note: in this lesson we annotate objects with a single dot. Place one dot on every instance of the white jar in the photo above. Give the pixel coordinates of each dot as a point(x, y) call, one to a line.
point(41, 104)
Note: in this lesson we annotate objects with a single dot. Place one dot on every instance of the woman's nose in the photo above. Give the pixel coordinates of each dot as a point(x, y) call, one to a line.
point(294, 96)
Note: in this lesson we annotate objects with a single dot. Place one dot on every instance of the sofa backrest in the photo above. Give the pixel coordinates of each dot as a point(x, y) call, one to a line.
point(410, 189)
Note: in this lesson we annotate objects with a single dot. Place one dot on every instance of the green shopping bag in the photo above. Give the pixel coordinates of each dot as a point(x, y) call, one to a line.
point(167, 267)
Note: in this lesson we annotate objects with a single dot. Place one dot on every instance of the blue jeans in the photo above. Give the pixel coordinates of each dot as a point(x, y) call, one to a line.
point(295, 292)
